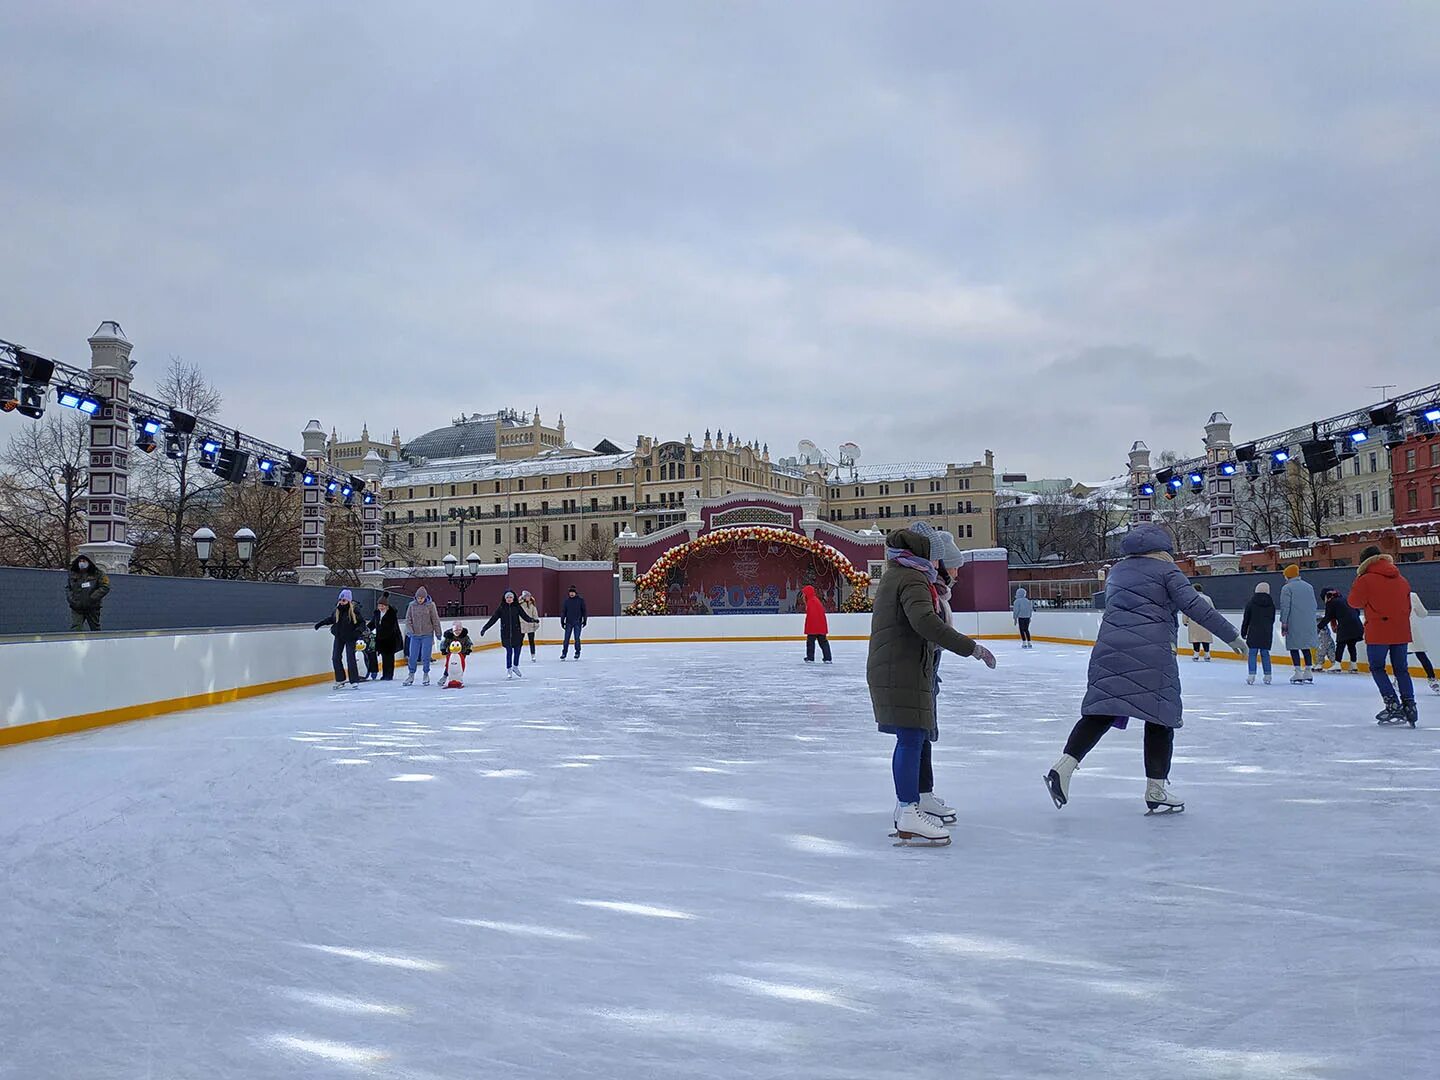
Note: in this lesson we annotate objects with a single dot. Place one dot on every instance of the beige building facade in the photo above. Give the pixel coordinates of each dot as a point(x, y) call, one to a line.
point(503, 482)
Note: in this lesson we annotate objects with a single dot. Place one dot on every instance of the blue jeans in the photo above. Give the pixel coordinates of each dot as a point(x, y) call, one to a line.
point(565, 648)
point(1264, 655)
point(421, 646)
point(910, 764)
point(1399, 657)
point(512, 656)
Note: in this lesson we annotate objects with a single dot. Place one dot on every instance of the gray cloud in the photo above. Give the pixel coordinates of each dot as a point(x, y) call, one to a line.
point(1041, 229)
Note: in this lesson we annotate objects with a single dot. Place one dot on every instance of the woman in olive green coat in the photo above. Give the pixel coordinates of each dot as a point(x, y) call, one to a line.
point(900, 671)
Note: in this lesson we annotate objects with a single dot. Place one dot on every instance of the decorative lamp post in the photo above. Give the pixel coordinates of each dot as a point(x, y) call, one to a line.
point(204, 538)
point(462, 579)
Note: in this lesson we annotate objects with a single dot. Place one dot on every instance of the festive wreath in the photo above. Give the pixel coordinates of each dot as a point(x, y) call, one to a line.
point(650, 586)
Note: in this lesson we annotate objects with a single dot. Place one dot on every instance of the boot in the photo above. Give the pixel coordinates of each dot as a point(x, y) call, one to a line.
point(936, 807)
point(1298, 676)
point(1195, 658)
point(1309, 675)
point(1409, 713)
point(1160, 799)
point(1267, 678)
point(1435, 685)
point(918, 827)
point(1249, 680)
point(1344, 668)
point(1058, 779)
point(426, 681)
point(1391, 714)
point(1207, 658)
point(409, 680)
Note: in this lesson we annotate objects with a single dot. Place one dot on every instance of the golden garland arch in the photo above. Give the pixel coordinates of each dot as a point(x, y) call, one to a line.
point(650, 586)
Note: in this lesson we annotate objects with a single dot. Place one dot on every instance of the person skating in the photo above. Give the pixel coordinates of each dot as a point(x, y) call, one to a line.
point(1349, 631)
point(388, 639)
point(513, 620)
point(1200, 639)
point(457, 634)
point(1418, 615)
point(817, 625)
point(900, 673)
point(366, 647)
point(527, 602)
point(86, 587)
point(1022, 611)
point(346, 628)
point(1383, 594)
point(573, 617)
point(1133, 671)
point(1325, 658)
point(1297, 623)
point(1257, 627)
point(422, 623)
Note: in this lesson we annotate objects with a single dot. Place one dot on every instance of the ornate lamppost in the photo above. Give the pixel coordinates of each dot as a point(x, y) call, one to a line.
point(462, 579)
point(204, 538)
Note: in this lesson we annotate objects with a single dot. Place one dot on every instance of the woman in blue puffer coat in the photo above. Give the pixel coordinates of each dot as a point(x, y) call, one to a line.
point(1132, 667)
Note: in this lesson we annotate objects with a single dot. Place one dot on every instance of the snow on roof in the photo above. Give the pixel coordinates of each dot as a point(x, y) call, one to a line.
point(485, 467)
point(866, 474)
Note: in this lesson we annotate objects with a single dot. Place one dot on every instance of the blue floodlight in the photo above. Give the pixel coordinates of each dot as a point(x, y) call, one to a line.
point(1176, 483)
point(1359, 435)
point(1147, 489)
point(310, 479)
point(1280, 457)
point(1227, 468)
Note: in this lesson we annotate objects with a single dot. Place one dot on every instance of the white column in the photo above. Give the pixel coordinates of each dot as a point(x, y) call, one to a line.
point(107, 501)
point(371, 507)
point(1142, 506)
point(312, 569)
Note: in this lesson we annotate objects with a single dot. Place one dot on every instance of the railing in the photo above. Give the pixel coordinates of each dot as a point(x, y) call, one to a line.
point(1060, 593)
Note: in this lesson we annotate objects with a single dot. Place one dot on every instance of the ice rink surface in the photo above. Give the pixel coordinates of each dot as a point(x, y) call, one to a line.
point(671, 861)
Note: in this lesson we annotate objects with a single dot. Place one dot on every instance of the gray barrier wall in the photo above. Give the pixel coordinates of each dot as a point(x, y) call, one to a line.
point(34, 602)
point(1231, 591)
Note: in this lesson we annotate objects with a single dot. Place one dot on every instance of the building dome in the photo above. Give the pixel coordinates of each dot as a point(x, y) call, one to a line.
point(466, 437)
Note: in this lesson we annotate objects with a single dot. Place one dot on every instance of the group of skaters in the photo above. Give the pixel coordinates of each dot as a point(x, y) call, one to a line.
point(380, 636)
point(1133, 671)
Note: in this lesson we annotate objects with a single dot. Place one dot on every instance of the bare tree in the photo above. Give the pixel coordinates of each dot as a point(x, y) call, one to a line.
point(273, 514)
point(343, 536)
point(42, 490)
point(1314, 498)
point(170, 496)
point(1262, 510)
point(597, 547)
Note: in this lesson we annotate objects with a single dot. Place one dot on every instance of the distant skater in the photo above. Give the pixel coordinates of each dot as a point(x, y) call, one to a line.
point(1257, 627)
point(1200, 639)
point(1133, 672)
point(346, 628)
point(1349, 631)
point(1297, 623)
point(422, 623)
point(817, 625)
point(1418, 615)
point(1022, 611)
point(574, 616)
point(900, 672)
point(1383, 594)
point(513, 620)
point(527, 604)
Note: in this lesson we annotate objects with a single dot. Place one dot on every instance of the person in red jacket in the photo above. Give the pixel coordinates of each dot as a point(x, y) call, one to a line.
point(817, 626)
point(1384, 596)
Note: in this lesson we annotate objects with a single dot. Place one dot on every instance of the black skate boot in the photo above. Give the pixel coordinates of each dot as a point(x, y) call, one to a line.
point(1391, 714)
point(1409, 713)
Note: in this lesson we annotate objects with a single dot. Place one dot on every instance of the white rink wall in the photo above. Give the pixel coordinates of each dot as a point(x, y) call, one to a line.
point(71, 683)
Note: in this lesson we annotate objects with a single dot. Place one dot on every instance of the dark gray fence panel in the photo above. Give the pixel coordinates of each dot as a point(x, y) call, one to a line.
point(34, 602)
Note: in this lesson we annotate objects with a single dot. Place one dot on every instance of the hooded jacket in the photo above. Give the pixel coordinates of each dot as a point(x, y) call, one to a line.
point(1297, 614)
point(1344, 619)
point(527, 604)
point(904, 630)
point(86, 589)
point(1132, 667)
point(513, 621)
point(1258, 625)
point(815, 620)
point(422, 618)
point(1023, 607)
point(1383, 594)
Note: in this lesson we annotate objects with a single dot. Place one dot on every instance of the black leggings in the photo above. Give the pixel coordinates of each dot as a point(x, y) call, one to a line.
point(1200, 646)
point(1295, 657)
point(1425, 663)
point(1340, 648)
point(1159, 743)
point(1024, 625)
point(531, 636)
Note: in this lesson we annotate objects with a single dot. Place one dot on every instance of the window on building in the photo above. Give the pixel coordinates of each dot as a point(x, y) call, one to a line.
point(497, 487)
point(617, 528)
point(1435, 497)
point(412, 493)
point(619, 477)
point(1412, 500)
point(498, 536)
point(909, 487)
point(969, 532)
point(1355, 466)
point(1374, 461)
point(594, 530)
point(1409, 460)
point(1374, 501)
point(474, 489)
point(409, 515)
point(594, 479)
point(454, 540)
point(1435, 456)
point(410, 540)
point(594, 504)
point(545, 532)
point(1390, 498)
point(1359, 505)
point(452, 491)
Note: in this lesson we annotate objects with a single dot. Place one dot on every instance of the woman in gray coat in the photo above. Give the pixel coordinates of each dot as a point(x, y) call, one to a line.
point(1132, 667)
point(1298, 624)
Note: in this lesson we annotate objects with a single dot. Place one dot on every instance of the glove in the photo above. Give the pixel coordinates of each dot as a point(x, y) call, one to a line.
point(319, 624)
point(985, 656)
point(1239, 646)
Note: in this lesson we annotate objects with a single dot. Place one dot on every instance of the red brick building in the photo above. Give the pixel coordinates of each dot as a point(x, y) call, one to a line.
point(1415, 472)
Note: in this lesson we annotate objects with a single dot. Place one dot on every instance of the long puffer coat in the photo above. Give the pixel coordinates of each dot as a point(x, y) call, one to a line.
point(815, 620)
point(1258, 625)
point(513, 624)
point(904, 630)
point(1132, 667)
point(1383, 594)
point(1418, 615)
point(1297, 615)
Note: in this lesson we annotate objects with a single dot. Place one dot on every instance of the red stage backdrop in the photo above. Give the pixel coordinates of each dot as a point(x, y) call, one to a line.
point(749, 577)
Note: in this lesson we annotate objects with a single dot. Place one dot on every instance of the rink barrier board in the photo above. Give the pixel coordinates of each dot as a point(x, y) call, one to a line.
point(291, 641)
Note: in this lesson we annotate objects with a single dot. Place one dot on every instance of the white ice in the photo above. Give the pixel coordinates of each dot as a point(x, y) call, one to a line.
point(226, 894)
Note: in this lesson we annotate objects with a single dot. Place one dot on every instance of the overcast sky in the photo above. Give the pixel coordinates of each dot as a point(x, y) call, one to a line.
point(1043, 229)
